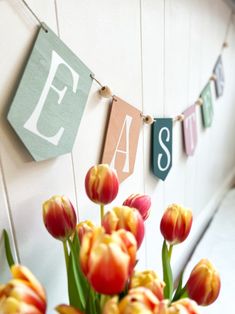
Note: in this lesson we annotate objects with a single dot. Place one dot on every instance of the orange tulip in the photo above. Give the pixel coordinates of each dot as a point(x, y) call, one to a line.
point(23, 294)
point(138, 300)
point(203, 285)
point(101, 184)
point(66, 309)
point(127, 218)
point(59, 217)
point(140, 202)
point(107, 260)
point(183, 306)
point(84, 227)
point(176, 224)
point(148, 279)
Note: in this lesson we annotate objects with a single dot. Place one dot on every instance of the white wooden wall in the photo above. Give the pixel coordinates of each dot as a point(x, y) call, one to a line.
point(157, 55)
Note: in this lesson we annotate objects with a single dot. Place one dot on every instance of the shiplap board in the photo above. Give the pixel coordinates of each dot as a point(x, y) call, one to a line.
point(5, 223)
point(214, 16)
point(153, 104)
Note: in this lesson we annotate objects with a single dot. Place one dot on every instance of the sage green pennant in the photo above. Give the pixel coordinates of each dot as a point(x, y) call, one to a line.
point(162, 147)
point(49, 102)
point(207, 107)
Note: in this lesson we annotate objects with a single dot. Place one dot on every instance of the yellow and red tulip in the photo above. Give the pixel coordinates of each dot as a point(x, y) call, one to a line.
point(203, 284)
point(138, 300)
point(67, 309)
point(23, 294)
point(183, 306)
point(101, 184)
point(107, 260)
point(140, 202)
point(148, 279)
point(59, 217)
point(127, 218)
point(84, 227)
point(176, 224)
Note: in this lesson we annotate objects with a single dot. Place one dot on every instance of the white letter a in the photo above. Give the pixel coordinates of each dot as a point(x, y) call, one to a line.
point(126, 126)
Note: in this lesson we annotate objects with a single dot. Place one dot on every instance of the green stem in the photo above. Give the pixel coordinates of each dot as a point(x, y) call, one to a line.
point(66, 254)
point(181, 294)
point(101, 212)
point(170, 250)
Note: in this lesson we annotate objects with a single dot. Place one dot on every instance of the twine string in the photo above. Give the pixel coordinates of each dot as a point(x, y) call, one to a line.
point(35, 15)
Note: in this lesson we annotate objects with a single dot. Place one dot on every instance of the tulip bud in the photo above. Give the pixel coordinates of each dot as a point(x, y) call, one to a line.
point(176, 224)
point(59, 217)
point(138, 300)
point(203, 285)
point(23, 294)
point(107, 260)
point(140, 202)
point(101, 184)
point(84, 227)
point(148, 279)
point(127, 218)
point(183, 306)
point(67, 309)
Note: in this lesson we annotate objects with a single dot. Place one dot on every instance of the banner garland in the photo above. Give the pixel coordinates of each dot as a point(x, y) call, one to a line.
point(124, 122)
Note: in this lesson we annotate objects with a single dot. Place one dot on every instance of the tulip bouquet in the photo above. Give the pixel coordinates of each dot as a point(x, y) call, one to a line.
point(101, 260)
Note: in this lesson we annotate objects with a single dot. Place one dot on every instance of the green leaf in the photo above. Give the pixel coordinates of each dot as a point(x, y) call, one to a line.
point(76, 279)
point(10, 259)
point(81, 294)
point(178, 291)
point(73, 285)
point(167, 272)
point(83, 281)
point(91, 305)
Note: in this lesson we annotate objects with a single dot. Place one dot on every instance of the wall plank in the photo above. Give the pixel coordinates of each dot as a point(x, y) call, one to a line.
point(153, 104)
point(5, 223)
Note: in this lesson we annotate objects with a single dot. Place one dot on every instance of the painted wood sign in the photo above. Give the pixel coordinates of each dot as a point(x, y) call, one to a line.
point(207, 107)
point(51, 97)
point(122, 138)
point(190, 130)
point(162, 147)
point(219, 82)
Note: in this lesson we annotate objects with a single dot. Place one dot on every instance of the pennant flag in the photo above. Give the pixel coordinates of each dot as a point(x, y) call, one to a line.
point(122, 138)
point(190, 130)
point(219, 82)
point(162, 147)
point(51, 97)
point(207, 107)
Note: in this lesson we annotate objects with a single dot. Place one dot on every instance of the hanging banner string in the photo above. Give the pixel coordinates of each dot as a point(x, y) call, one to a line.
point(148, 119)
point(106, 92)
point(225, 43)
point(35, 15)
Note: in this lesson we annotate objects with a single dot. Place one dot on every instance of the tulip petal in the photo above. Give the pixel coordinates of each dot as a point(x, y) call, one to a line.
point(108, 269)
point(203, 285)
point(111, 306)
point(21, 272)
point(66, 309)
